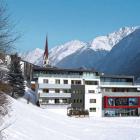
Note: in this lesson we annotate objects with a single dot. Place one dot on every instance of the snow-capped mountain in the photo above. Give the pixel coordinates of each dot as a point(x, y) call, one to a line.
point(125, 55)
point(94, 51)
point(101, 44)
point(84, 57)
point(57, 53)
point(76, 53)
point(108, 41)
point(33, 56)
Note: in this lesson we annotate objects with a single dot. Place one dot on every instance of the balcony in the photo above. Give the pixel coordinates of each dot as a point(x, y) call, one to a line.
point(55, 95)
point(55, 86)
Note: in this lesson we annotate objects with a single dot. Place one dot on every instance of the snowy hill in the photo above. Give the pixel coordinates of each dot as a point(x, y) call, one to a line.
point(63, 55)
point(126, 55)
point(29, 122)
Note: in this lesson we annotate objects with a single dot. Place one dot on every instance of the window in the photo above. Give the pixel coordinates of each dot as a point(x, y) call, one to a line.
point(122, 101)
point(91, 82)
point(66, 91)
point(57, 90)
point(77, 91)
point(91, 91)
point(57, 81)
point(56, 101)
point(74, 91)
point(64, 101)
point(46, 90)
point(92, 109)
point(76, 82)
point(45, 80)
point(80, 100)
point(45, 101)
point(92, 100)
point(72, 82)
point(65, 81)
point(77, 100)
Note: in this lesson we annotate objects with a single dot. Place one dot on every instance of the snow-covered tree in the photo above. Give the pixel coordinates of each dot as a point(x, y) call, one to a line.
point(15, 77)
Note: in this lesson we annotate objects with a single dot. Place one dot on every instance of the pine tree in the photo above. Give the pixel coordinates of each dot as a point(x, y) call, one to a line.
point(15, 77)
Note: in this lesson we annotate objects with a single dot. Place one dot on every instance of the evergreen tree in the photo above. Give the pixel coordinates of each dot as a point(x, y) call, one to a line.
point(15, 77)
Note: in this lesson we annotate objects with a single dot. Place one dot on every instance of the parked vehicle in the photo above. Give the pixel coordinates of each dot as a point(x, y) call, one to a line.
point(77, 112)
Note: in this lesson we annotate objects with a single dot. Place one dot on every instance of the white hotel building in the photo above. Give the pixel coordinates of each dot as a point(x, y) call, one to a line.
point(101, 95)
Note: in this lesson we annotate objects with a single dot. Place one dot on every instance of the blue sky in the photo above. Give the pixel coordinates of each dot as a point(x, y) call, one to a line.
point(65, 20)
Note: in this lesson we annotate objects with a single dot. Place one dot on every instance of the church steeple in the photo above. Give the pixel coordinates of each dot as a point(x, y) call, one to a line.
point(46, 54)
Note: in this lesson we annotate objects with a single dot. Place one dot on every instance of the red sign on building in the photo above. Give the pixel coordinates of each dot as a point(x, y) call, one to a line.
point(121, 102)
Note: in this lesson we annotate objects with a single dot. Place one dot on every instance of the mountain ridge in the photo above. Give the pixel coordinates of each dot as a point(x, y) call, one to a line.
point(62, 51)
point(126, 55)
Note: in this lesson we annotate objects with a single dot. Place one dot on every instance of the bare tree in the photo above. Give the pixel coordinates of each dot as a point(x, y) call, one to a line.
point(7, 34)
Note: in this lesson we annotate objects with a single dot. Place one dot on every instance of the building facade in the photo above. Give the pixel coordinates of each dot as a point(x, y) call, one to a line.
point(121, 97)
point(101, 95)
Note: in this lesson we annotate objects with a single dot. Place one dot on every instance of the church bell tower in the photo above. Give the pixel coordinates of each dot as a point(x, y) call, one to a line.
point(46, 54)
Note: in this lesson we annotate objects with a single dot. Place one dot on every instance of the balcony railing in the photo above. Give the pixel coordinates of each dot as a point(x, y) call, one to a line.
point(66, 76)
point(55, 95)
point(116, 83)
point(57, 75)
point(55, 86)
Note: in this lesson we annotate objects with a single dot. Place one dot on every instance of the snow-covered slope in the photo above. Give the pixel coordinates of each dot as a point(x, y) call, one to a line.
point(124, 58)
point(33, 123)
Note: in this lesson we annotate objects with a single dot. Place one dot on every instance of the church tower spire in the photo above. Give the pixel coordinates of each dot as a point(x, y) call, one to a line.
point(46, 54)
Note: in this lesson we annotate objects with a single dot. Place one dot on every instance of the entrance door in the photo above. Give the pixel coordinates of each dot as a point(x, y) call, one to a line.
point(134, 112)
